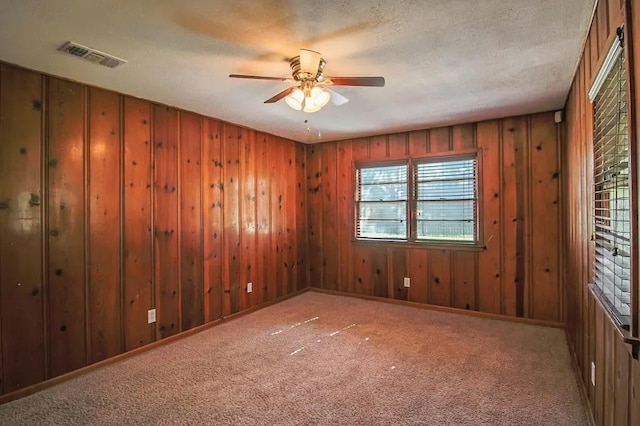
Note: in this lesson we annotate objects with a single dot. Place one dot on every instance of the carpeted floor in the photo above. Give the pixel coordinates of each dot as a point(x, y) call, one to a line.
point(323, 359)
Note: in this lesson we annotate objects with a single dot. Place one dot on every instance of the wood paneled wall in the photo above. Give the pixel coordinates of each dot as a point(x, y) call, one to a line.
point(615, 397)
point(518, 274)
point(111, 206)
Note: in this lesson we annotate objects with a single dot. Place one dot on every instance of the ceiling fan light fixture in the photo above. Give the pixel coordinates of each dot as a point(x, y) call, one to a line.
point(319, 97)
point(295, 99)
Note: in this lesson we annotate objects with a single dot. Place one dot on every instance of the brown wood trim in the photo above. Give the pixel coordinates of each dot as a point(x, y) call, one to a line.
point(580, 382)
point(633, 343)
point(459, 311)
point(30, 390)
point(610, 40)
point(419, 244)
point(633, 164)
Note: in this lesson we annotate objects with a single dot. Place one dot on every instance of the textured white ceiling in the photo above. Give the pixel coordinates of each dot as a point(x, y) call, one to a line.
point(445, 61)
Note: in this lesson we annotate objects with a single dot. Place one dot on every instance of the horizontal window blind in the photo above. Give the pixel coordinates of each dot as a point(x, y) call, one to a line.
point(612, 261)
point(381, 201)
point(446, 200)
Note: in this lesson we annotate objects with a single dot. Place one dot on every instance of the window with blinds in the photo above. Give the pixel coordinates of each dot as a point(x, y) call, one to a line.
point(421, 200)
point(612, 231)
point(446, 200)
point(381, 199)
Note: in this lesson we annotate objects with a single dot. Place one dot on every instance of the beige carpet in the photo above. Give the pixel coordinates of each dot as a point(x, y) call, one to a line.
point(323, 359)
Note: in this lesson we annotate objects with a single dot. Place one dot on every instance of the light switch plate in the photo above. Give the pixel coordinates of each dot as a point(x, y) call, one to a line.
point(407, 282)
point(249, 287)
point(151, 316)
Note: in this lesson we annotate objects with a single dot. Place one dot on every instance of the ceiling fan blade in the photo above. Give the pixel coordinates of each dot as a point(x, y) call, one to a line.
point(258, 77)
point(281, 95)
point(336, 98)
point(357, 81)
point(309, 62)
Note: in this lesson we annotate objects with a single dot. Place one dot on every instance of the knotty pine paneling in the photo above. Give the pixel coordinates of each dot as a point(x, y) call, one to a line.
point(112, 205)
point(67, 216)
point(22, 219)
point(104, 215)
point(486, 280)
point(615, 397)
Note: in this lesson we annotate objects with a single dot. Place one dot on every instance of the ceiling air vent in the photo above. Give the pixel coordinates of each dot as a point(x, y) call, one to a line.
point(91, 55)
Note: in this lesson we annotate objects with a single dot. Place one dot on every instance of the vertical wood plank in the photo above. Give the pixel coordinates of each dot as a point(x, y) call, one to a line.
point(277, 217)
point(398, 145)
point(330, 261)
point(464, 280)
point(263, 214)
point(545, 176)
point(22, 357)
point(463, 137)
point(213, 187)
point(489, 266)
point(440, 277)
point(345, 194)
point(418, 142)
point(362, 268)
point(514, 134)
point(418, 272)
point(165, 209)
point(231, 203)
point(138, 240)
point(301, 218)
point(248, 222)
point(314, 203)
point(621, 381)
point(105, 295)
point(360, 149)
point(66, 222)
point(378, 147)
point(397, 261)
point(191, 250)
point(440, 139)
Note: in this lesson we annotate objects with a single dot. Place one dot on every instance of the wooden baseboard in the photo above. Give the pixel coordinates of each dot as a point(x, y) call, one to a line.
point(581, 384)
point(30, 390)
point(520, 320)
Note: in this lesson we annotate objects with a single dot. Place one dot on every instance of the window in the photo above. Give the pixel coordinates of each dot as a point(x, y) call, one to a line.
point(612, 231)
point(420, 200)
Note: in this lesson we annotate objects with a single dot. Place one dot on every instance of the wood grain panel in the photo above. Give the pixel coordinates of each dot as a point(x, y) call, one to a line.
point(489, 261)
point(290, 216)
point(362, 268)
point(418, 272)
point(345, 197)
point(463, 137)
point(22, 356)
point(440, 277)
point(621, 383)
point(263, 217)
point(231, 211)
point(464, 280)
point(248, 207)
point(276, 260)
point(514, 134)
point(360, 149)
point(66, 224)
point(165, 208)
point(300, 217)
point(330, 241)
point(378, 147)
point(418, 142)
point(191, 244)
point(397, 269)
point(137, 236)
point(104, 218)
point(212, 197)
point(545, 176)
point(440, 139)
point(314, 215)
point(398, 145)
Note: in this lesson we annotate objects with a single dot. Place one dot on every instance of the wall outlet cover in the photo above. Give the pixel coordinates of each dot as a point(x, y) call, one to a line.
point(249, 287)
point(151, 316)
point(407, 282)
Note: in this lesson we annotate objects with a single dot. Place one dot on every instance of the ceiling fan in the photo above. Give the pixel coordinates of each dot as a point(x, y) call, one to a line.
point(310, 91)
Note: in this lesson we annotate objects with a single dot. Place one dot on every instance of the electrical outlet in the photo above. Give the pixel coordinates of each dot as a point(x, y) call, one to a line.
point(593, 373)
point(249, 287)
point(407, 282)
point(151, 316)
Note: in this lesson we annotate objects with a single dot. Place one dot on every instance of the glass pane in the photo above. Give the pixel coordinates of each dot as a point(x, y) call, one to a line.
point(382, 220)
point(383, 192)
point(447, 210)
point(446, 230)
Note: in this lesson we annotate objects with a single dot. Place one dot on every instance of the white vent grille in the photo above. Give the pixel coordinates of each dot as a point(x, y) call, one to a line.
point(91, 55)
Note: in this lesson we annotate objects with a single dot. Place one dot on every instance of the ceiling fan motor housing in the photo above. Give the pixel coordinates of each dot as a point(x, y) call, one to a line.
point(299, 75)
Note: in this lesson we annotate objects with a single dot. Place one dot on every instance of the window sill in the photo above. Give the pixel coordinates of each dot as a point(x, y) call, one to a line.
point(419, 244)
point(622, 332)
